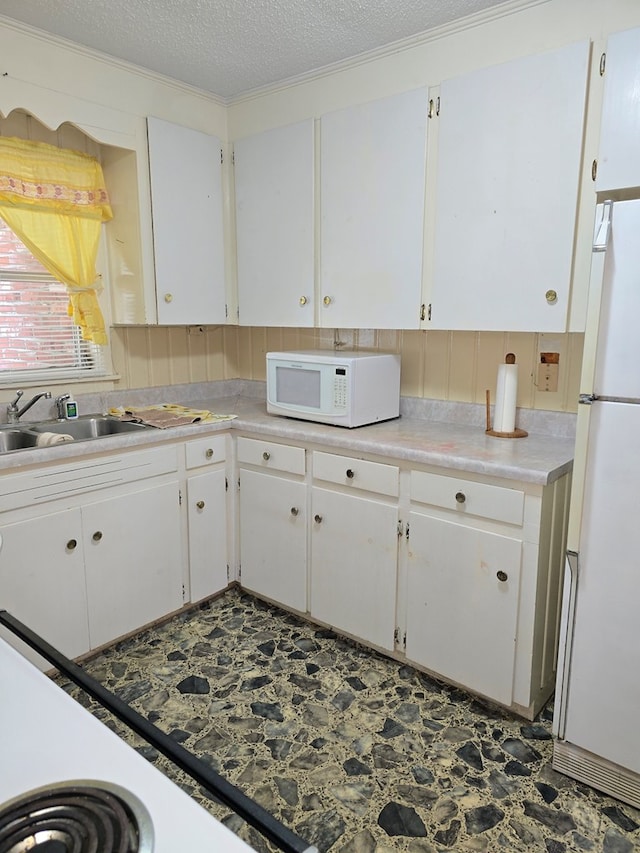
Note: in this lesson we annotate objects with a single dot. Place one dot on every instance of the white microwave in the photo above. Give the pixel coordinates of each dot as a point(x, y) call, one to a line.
point(347, 389)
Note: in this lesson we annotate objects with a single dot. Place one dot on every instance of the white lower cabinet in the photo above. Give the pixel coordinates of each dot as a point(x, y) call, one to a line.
point(462, 603)
point(42, 580)
point(273, 521)
point(207, 521)
point(132, 560)
point(483, 582)
point(207, 516)
point(354, 547)
point(91, 549)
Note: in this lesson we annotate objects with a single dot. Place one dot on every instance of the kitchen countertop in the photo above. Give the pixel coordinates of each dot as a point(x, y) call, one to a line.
point(538, 458)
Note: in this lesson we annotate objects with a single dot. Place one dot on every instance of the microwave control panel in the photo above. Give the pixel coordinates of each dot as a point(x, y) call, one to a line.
point(340, 388)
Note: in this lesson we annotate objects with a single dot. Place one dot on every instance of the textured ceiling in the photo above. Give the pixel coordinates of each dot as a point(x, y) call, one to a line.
point(228, 47)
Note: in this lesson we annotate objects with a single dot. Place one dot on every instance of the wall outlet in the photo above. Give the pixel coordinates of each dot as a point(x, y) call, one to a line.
point(548, 371)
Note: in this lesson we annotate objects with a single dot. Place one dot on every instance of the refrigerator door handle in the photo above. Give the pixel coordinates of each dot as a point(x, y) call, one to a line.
point(567, 618)
point(602, 226)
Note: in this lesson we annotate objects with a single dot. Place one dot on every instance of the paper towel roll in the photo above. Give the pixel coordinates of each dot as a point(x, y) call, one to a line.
point(504, 415)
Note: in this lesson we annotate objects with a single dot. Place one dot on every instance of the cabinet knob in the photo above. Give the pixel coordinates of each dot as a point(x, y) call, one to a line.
point(97, 536)
point(168, 297)
point(294, 510)
point(303, 300)
point(317, 519)
point(208, 453)
point(351, 473)
point(461, 497)
point(502, 576)
point(200, 504)
point(266, 456)
point(551, 296)
point(72, 544)
point(327, 300)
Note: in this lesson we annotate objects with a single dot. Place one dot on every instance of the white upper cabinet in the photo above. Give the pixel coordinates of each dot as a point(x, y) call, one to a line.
point(619, 155)
point(186, 200)
point(372, 194)
point(274, 184)
point(508, 173)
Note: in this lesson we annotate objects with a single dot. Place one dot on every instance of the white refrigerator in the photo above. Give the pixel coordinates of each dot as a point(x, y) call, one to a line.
point(597, 706)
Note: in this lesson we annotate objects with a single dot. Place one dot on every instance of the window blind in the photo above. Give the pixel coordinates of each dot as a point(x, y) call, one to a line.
point(38, 339)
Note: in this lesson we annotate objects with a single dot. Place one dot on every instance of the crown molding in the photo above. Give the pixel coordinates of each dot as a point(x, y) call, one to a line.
point(107, 59)
point(469, 22)
point(478, 19)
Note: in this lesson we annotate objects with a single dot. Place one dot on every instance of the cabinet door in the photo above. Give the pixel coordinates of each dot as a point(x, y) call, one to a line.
point(42, 580)
point(273, 540)
point(354, 548)
point(207, 521)
point(372, 176)
point(461, 618)
point(133, 560)
point(619, 154)
point(509, 153)
point(186, 201)
point(274, 226)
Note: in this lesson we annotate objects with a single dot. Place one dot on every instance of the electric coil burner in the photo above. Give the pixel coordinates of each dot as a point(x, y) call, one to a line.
point(76, 817)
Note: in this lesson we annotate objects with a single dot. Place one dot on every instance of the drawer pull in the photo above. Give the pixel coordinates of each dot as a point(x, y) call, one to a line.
point(72, 544)
point(461, 497)
point(317, 519)
point(208, 453)
point(266, 456)
point(351, 473)
point(97, 536)
point(200, 504)
point(294, 510)
point(502, 576)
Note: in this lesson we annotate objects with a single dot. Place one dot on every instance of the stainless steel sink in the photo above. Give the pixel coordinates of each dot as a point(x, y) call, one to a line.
point(88, 426)
point(85, 428)
point(16, 439)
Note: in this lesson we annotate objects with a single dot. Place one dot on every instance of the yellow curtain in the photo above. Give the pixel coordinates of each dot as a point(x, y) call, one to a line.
point(55, 200)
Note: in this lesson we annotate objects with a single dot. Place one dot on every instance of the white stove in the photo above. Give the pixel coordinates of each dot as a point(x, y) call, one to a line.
point(49, 744)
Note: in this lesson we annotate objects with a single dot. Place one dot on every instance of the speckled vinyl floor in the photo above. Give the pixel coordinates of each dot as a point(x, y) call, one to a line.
point(354, 752)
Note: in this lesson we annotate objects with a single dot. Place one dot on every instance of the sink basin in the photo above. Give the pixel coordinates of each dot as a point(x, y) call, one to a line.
point(89, 426)
point(16, 439)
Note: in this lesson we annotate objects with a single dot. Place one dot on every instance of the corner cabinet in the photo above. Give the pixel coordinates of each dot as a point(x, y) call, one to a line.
point(372, 196)
point(186, 205)
point(207, 516)
point(274, 188)
point(508, 174)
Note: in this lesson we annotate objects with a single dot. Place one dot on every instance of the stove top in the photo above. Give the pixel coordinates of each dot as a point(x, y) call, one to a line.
point(76, 817)
point(51, 744)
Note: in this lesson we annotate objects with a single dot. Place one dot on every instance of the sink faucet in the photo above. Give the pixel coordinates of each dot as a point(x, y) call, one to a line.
point(14, 413)
point(60, 401)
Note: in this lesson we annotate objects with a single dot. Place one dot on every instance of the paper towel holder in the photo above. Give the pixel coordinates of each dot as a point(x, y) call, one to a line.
point(516, 432)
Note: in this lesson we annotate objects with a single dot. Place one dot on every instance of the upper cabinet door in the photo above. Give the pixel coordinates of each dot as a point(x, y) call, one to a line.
point(372, 195)
point(186, 201)
point(619, 155)
point(274, 173)
point(509, 154)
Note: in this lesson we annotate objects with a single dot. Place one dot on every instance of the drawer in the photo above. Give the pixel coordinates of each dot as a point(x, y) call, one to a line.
point(269, 455)
point(356, 473)
point(206, 451)
point(468, 497)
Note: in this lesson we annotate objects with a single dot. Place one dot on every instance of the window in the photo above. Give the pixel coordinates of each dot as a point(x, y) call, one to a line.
point(38, 339)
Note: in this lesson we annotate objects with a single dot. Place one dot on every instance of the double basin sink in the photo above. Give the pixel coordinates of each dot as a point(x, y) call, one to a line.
point(85, 428)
